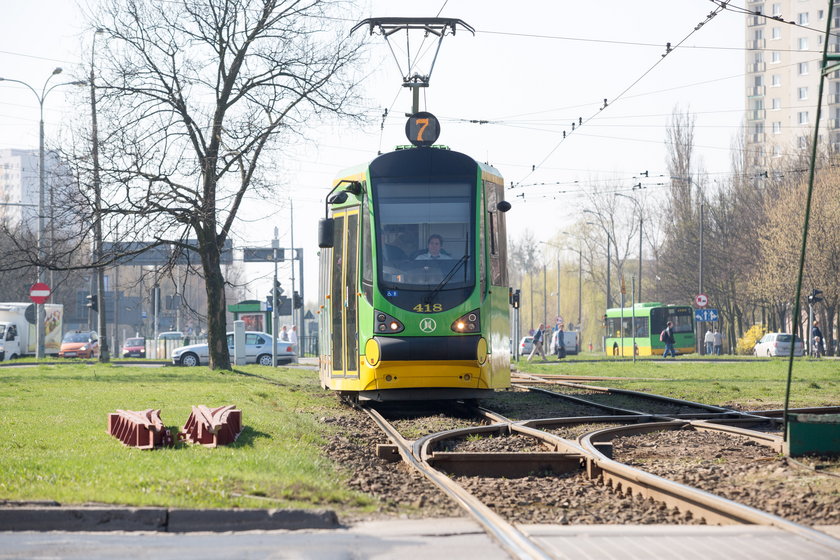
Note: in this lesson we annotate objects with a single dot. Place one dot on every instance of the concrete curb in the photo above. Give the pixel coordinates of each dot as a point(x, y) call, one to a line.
point(52, 518)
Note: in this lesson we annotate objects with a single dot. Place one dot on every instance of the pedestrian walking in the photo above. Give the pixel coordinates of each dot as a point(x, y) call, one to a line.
point(537, 343)
point(817, 337)
point(718, 342)
point(560, 346)
point(667, 336)
point(709, 339)
point(293, 338)
point(284, 334)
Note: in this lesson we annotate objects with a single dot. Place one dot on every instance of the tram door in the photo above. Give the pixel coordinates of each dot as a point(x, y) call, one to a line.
point(344, 327)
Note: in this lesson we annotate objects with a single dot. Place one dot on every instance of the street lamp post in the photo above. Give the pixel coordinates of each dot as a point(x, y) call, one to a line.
point(641, 229)
point(39, 329)
point(97, 224)
point(580, 286)
point(700, 256)
point(609, 256)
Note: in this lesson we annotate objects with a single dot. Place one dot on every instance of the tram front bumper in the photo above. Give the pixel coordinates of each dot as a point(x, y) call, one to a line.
point(438, 361)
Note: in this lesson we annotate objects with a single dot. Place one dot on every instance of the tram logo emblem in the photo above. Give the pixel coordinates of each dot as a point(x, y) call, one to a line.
point(427, 325)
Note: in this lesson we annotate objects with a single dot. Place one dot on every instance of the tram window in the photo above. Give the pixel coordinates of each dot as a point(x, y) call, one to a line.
point(682, 323)
point(642, 327)
point(682, 319)
point(407, 215)
point(367, 254)
point(493, 194)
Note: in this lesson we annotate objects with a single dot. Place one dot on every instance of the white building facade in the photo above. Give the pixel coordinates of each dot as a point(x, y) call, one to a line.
point(783, 59)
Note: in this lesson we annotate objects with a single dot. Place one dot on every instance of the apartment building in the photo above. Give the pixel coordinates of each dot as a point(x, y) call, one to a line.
point(783, 59)
point(20, 186)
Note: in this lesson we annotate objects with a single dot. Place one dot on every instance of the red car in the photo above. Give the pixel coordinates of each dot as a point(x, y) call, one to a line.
point(134, 348)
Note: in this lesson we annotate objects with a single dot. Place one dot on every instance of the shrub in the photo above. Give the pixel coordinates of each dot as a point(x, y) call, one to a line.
point(747, 342)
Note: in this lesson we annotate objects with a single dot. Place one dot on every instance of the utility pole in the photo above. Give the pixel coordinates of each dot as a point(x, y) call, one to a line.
point(275, 244)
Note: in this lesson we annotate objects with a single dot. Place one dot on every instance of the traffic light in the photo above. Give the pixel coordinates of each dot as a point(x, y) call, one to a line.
point(297, 301)
point(514, 299)
point(92, 302)
point(814, 296)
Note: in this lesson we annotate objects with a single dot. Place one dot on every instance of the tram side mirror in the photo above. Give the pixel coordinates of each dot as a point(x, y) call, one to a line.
point(326, 228)
point(503, 206)
point(338, 198)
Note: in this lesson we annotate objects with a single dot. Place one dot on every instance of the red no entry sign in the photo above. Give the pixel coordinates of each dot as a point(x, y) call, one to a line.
point(39, 292)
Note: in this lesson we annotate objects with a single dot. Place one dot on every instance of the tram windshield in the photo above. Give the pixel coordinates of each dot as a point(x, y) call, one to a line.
point(424, 235)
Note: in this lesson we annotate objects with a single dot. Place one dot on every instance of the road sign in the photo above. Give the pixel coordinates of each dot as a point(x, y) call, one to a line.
point(706, 315)
point(260, 254)
point(700, 300)
point(39, 292)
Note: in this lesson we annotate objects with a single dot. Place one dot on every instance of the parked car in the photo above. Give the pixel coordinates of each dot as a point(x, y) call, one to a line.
point(525, 345)
point(134, 348)
point(171, 335)
point(257, 351)
point(777, 344)
point(79, 344)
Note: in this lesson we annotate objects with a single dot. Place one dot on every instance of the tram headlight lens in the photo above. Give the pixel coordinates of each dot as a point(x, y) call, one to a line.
point(467, 323)
point(387, 324)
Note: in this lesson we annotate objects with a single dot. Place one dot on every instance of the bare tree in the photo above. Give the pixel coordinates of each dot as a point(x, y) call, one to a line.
point(193, 94)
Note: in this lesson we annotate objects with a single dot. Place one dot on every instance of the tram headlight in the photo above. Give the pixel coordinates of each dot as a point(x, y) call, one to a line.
point(467, 323)
point(387, 324)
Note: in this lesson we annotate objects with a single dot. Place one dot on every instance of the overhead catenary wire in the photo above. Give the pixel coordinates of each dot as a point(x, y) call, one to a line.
point(669, 49)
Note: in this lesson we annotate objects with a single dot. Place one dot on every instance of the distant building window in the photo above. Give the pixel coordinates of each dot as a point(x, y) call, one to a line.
point(802, 93)
point(803, 141)
point(802, 117)
point(776, 57)
point(777, 10)
point(776, 104)
point(803, 43)
point(777, 128)
point(775, 80)
point(820, 14)
point(802, 18)
point(802, 67)
point(776, 33)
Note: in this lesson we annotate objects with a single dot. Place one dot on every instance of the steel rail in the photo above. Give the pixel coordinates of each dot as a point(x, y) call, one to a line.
point(713, 508)
point(515, 542)
point(641, 395)
point(774, 442)
point(714, 412)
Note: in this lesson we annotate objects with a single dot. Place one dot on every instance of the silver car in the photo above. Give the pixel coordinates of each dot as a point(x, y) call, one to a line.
point(257, 351)
point(777, 344)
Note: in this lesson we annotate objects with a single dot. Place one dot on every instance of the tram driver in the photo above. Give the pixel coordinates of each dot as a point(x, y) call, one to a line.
point(435, 250)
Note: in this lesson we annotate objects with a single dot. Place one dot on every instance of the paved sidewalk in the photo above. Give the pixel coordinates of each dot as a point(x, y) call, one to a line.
point(428, 538)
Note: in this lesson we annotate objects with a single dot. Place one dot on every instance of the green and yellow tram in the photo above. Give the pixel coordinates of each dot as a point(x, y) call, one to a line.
point(642, 324)
point(414, 293)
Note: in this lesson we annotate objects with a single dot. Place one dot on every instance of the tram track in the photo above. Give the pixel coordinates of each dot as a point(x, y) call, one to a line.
point(576, 450)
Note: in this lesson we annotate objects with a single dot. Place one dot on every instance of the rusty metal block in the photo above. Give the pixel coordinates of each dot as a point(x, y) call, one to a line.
point(143, 429)
point(219, 426)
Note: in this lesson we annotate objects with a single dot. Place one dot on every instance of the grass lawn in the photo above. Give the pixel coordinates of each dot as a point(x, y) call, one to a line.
point(55, 445)
point(758, 384)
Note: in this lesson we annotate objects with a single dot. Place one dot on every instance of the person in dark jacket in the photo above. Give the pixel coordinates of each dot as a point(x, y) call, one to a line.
point(667, 336)
point(817, 338)
point(537, 344)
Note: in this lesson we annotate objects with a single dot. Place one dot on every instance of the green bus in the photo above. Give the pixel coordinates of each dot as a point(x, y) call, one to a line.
point(646, 321)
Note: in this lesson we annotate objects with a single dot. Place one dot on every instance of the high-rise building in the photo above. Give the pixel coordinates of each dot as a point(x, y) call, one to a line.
point(20, 186)
point(784, 55)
